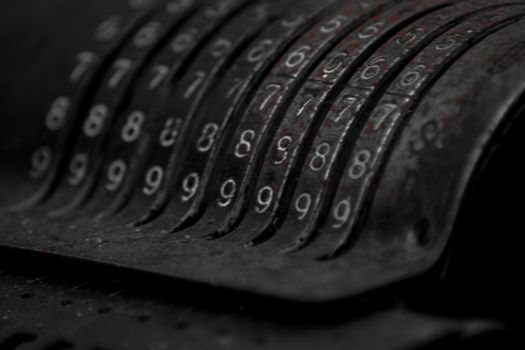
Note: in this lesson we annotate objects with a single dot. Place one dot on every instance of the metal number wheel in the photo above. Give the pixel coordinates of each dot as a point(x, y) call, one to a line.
point(311, 151)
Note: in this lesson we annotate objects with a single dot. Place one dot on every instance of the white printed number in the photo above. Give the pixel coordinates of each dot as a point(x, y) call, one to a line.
point(282, 149)
point(381, 114)
point(147, 35)
point(207, 138)
point(121, 68)
point(77, 169)
point(321, 154)
point(168, 136)
point(260, 51)
point(410, 36)
point(264, 199)
point(56, 116)
point(342, 212)
point(449, 42)
point(160, 73)
point(190, 185)
point(334, 63)
point(221, 47)
point(108, 29)
point(85, 59)
point(40, 162)
point(370, 30)
point(175, 6)
point(333, 25)
point(95, 121)
point(292, 22)
point(131, 131)
point(227, 193)
point(303, 205)
point(116, 173)
point(218, 9)
point(195, 85)
point(273, 90)
point(153, 180)
point(360, 164)
point(413, 75)
point(297, 57)
point(244, 147)
point(350, 102)
point(182, 42)
point(373, 68)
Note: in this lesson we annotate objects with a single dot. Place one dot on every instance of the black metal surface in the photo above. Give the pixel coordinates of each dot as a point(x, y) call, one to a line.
point(307, 151)
point(41, 310)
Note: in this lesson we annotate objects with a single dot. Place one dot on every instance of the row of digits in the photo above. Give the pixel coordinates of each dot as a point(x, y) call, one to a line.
point(262, 122)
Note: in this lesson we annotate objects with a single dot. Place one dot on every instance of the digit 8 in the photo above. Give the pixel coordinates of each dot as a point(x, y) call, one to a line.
point(56, 116)
point(320, 156)
point(95, 122)
point(131, 131)
point(359, 164)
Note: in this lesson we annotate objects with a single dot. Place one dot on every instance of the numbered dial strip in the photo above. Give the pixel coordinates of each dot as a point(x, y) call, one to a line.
point(80, 78)
point(200, 84)
point(271, 100)
point(341, 121)
point(140, 188)
point(347, 115)
point(396, 105)
point(216, 14)
point(132, 125)
point(85, 161)
point(192, 89)
point(262, 219)
point(225, 102)
point(307, 100)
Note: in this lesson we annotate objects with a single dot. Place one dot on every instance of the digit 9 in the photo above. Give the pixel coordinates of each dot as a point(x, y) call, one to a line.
point(153, 180)
point(78, 169)
point(116, 174)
